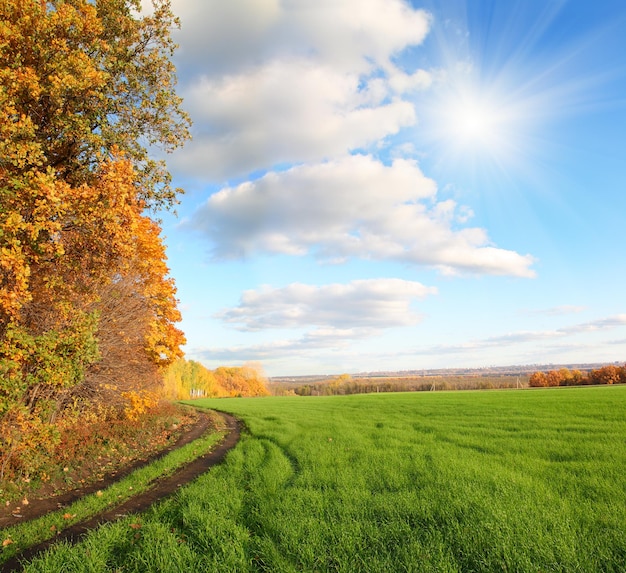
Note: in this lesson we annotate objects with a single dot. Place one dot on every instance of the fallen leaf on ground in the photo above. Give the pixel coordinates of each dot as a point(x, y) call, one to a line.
point(7, 541)
point(135, 525)
point(69, 515)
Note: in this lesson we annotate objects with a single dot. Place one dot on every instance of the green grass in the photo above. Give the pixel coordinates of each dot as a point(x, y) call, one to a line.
point(446, 482)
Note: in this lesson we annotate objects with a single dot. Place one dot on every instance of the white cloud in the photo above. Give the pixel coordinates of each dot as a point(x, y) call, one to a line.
point(320, 340)
point(285, 111)
point(520, 337)
point(269, 82)
point(597, 325)
point(236, 35)
point(558, 310)
point(361, 304)
point(335, 344)
point(354, 207)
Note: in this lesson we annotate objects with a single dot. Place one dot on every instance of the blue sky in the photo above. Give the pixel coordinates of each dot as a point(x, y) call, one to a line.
point(384, 185)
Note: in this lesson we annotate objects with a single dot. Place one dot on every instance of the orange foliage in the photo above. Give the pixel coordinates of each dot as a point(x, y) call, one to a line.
point(538, 380)
point(554, 378)
point(163, 340)
point(610, 374)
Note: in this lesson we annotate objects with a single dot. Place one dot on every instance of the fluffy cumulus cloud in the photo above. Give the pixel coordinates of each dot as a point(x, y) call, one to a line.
point(335, 308)
point(231, 37)
point(270, 82)
point(355, 207)
point(287, 111)
point(337, 316)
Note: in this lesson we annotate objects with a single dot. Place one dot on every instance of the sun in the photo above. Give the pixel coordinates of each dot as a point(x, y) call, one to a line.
point(472, 121)
point(475, 121)
point(478, 126)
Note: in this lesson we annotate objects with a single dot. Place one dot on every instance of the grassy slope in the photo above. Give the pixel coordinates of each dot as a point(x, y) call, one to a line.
point(476, 481)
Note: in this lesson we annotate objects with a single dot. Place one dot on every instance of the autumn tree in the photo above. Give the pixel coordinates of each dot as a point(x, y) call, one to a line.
point(577, 378)
point(86, 88)
point(566, 377)
point(185, 379)
point(554, 377)
point(610, 374)
point(246, 380)
point(135, 331)
point(538, 380)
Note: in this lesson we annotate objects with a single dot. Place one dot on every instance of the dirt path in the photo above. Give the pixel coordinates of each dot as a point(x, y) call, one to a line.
point(162, 488)
point(47, 504)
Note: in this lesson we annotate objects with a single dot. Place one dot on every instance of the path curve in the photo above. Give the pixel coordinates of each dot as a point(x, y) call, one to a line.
point(161, 489)
point(39, 507)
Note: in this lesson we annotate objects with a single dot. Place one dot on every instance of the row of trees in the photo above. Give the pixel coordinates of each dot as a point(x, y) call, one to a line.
point(346, 384)
point(610, 374)
point(187, 379)
point(87, 309)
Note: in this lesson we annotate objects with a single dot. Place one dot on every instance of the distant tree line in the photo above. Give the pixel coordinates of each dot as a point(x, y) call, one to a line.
point(346, 384)
point(610, 374)
point(187, 379)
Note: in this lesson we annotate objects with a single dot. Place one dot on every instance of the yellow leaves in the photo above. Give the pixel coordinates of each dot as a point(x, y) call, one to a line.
point(85, 77)
point(139, 403)
point(12, 223)
point(25, 79)
point(69, 235)
point(14, 288)
point(7, 541)
point(76, 74)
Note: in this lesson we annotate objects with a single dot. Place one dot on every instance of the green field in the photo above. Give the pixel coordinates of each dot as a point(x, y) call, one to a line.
point(531, 480)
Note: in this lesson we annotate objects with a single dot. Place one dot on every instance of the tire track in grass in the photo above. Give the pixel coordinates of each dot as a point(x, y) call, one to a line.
point(161, 489)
